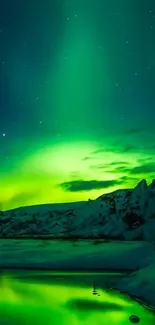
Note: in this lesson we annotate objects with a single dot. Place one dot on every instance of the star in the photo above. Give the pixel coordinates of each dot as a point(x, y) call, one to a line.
point(65, 94)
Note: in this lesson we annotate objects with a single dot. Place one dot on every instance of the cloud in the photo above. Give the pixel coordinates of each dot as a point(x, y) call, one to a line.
point(81, 185)
point(144, 160)
point(99, 150)
point(113, 166)
point(127, 178)
point(105, 149)
point(121, 169)
point(100, 166)
point(148, 168)
point(116, 147)
point(129, 148)
point(87, 158)
point(134, 131)
point(118, 163)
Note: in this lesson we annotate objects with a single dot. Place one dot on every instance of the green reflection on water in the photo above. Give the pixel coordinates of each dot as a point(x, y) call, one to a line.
point(63, 302)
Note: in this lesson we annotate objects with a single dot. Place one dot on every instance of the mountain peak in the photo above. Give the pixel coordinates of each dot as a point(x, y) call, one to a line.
point(152, 185)
point(142, 182)
point(142, 185)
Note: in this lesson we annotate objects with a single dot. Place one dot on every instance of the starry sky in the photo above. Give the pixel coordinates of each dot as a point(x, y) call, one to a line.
point(77, 98)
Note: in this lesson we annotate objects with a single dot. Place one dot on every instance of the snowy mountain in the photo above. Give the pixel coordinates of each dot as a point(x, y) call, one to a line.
point(124, 214)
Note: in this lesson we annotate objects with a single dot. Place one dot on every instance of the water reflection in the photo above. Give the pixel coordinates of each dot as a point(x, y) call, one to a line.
point(64, 300)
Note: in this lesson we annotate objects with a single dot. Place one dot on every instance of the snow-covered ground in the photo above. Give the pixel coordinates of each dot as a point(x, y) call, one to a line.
point(138, 257)
point(127, 214)
point(85, 254)
point(140, 284)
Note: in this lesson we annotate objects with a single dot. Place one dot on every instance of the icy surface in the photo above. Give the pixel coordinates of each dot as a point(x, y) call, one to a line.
point(79, 254)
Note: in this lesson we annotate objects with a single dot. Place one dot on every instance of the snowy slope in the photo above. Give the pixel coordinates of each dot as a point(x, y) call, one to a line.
point(123, 214)
point(140, 284)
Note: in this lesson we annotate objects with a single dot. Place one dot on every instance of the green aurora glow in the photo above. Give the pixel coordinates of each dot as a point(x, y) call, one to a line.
point(77, 102)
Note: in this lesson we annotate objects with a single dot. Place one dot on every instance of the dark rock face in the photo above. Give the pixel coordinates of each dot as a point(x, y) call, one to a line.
point(133, 220)
point(134, 319)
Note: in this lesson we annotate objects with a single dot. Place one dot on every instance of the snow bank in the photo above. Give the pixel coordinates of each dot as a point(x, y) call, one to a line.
point(86, 254)
point(140, 284)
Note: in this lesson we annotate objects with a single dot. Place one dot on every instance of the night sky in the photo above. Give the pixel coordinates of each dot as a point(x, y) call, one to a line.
point(77, 98)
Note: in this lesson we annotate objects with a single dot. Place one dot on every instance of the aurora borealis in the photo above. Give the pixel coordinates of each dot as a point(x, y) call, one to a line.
point(76, 98)
point(34, 302)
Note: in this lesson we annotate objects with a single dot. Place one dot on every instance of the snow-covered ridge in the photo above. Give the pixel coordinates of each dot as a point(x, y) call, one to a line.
point(124, 214)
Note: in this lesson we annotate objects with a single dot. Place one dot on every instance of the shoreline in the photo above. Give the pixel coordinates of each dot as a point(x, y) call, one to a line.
point(142, 301)
point(68, 271)
point(83, 272)
point(55, 272)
